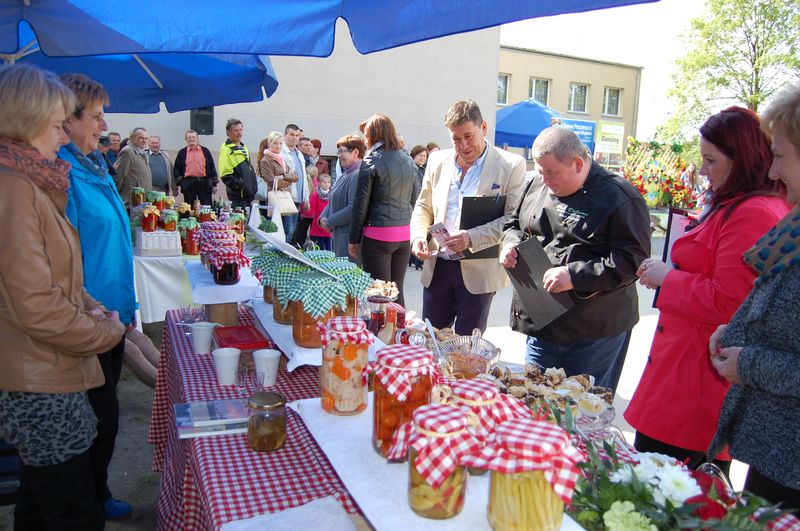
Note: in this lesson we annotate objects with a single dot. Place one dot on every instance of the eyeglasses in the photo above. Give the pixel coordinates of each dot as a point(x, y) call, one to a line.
point(343, 150)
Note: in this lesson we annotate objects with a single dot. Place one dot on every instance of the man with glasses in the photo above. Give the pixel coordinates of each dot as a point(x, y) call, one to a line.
point(595, 228)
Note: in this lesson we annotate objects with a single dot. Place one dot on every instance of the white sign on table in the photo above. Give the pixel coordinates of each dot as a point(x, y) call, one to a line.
point(381, 488)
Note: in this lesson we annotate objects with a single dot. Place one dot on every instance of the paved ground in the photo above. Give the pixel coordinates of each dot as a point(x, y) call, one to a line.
point(132, 480)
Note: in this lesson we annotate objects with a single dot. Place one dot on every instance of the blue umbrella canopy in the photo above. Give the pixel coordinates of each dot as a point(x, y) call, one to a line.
point(137, 83)
point(271, 27)
point(518, 125)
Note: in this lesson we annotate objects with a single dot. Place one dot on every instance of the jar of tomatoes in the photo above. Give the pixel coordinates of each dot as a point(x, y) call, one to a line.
point(169, 220)
point(185, 211)
point(404, 378)
point(157, 199)
point(206, 214)
point(521, 456)
point(316, 297)
point(150, 215)
point(189, 229)
point(345, 353)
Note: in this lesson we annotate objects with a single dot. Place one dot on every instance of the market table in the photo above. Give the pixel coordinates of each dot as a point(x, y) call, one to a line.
point(208, 481)
point(160, 284)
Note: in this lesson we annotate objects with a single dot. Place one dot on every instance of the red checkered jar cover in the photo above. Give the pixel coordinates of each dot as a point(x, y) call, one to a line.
point(523, 445)
point(439, 433)
point(487, 402)
point(227, 255)
point(397, 364)
point(345, 329)
point(215, 226)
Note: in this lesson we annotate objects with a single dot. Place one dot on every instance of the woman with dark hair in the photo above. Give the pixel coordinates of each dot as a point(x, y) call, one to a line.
point(420, 157)
point(335, 218)
point(676, 406)
point(386, 191)
point(316, 157)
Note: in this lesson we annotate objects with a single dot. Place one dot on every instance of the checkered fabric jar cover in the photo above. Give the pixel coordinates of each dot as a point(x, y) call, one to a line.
point(227, 255)
point(484, 400)
point(261, 265)
point(522, 445)
point(318, 292)
point(397, 364)
point(355, 280)
point(283, 272)
point(215, 226)
point(345, 329)
point(440, 435)
point(320, 257)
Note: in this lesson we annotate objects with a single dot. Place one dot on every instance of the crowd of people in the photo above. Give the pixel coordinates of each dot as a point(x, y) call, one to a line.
point(720, 381)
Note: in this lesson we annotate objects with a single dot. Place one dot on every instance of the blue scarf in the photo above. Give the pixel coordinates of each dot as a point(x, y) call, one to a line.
point(98, 168)
point(778, 249)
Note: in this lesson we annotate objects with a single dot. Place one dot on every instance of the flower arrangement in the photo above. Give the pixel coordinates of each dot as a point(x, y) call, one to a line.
point(655, 492)
point(655, 170)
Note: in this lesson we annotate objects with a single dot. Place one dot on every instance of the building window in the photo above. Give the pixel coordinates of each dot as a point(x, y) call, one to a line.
point(578, 94)
point(539, 89)
point(502, 89)
point(611, 101)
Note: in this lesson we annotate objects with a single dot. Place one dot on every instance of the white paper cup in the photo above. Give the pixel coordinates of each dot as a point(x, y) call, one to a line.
point(226, 360)
point(201, 336)
point(267, 361)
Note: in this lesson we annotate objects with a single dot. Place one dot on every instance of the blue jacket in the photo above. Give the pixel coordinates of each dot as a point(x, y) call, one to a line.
point(96, 209)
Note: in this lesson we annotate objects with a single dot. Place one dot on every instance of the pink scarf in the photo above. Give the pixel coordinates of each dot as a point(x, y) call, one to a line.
point(277, 157)
point(25, 159)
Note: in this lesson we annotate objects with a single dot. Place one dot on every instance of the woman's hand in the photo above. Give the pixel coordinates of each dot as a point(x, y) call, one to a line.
point(713, 341)
point(508, 257)
point(652, 273)
point(726, 363)
point(354, 250)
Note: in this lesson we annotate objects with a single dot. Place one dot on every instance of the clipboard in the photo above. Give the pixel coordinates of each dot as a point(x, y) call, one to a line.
point(678, 224)
point(541, 306)
point(476, 211)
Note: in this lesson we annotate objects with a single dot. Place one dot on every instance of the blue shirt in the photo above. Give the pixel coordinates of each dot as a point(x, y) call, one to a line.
point(96, 209)
point(301, 182)
point(468, 186)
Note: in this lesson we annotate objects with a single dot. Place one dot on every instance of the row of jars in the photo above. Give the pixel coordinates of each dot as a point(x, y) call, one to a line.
point(222, 251)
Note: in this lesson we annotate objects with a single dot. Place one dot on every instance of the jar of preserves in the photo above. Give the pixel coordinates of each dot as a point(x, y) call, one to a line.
point(169, 220)
point(269, 295)
point(157, 199)
point(486, 402)
point(404, 378)
point(436, 442)
point(316, 296)
point(150, 217)
point(185, 211)
point(354, 280)
point(224, 263)
point(206, 214)
point(282, 275)
point(521, 456)
point(304, 326)
point(169, 202)
point(266, 427)
point(282, 312)
point(345, 354)
point(137, 196)
point(189, 229)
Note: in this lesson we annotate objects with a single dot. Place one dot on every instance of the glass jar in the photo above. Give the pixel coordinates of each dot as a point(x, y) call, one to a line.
point(137, 196)
point(185, 211)
point(190, 243)
point(281, 313)
point(446, 501)
point(206, 214)
point(345, 354)
point(387, 331)
point(266, 427)
point(169, 219)
point(149, 222)
point(269, 294)
point(304, 327)
point(226, 274)
point(523, 501)
point(352, 308)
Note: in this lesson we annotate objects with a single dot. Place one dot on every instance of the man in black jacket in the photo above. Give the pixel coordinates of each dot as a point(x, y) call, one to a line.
point(594, 227)
point(194, 171)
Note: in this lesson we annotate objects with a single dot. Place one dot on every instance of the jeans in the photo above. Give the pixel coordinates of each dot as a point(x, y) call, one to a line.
point(289, 223)
point(324, 242)
point(596, 357)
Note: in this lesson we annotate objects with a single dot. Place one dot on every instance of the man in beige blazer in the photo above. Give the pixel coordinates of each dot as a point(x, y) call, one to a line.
point(133, 168)
point(462, 290)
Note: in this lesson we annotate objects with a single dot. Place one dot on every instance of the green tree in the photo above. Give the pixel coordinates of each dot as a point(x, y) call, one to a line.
point(739, 52)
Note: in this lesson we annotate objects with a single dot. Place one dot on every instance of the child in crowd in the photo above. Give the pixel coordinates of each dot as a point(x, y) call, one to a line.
point(318, 202)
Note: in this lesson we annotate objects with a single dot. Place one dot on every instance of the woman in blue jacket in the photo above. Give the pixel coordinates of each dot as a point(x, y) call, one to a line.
point(96, 209)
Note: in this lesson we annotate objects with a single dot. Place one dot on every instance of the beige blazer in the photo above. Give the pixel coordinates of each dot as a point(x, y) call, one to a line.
point(501, 169)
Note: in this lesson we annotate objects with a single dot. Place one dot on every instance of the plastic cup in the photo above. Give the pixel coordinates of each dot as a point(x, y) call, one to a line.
point(201, 336)
point(226, 360)
point(267, 361)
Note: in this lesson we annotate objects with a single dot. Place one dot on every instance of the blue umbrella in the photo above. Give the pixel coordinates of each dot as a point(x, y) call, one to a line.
point(136, 83)
point(518, 125)
point(272, 27)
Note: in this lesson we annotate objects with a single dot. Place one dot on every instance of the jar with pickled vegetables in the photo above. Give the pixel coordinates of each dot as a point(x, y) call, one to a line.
point(281, 312)
point(157, 198)
point(281, 275)
point(483, 399)
point(137, 196)
point(316, 297)
point(261, 266)
point(520, 496)
point(236, 221)
point(189, 229)
point(169, 220)
point(266, 427)
point(436, 442)
point(150, 215)
point(404, 378)
point(206, 214)
point(269, 294)
point(354, 280)
point(345, 354)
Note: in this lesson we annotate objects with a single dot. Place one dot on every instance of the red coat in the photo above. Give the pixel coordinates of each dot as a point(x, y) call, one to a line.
point(679, 397)
point(316, 206)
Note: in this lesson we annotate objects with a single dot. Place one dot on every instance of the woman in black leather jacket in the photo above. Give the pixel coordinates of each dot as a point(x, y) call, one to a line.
point(386, 191)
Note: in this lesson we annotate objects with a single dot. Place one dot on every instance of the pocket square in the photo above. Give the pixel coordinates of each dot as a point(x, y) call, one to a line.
point(495, 186)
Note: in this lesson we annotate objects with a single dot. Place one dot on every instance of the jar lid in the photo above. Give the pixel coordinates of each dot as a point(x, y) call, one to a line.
point(266, 400)
point(319, 257)
point(440, 419)
point(474, 390)
point(215, 226)
point(404, 357)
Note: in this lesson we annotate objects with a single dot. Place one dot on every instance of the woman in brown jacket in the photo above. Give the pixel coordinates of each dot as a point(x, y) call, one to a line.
point(50, 327)
point(271, 165)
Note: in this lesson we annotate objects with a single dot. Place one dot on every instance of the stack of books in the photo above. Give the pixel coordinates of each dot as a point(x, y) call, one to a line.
point(215, 417)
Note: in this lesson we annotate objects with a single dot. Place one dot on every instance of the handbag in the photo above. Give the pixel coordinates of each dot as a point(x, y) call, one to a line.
point(281, 200)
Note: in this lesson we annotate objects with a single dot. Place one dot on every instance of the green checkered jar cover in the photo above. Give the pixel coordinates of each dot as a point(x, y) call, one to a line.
point(283, 275)
point(263, 264)
point(318, 292)
point(320, 257)
point(355, 280)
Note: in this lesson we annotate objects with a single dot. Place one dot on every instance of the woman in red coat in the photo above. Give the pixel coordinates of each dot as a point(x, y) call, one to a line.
point(677, 403)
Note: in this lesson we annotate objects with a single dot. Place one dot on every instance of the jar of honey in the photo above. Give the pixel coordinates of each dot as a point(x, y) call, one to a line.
point(345, 353)
point(266, 427)
point(404, 378)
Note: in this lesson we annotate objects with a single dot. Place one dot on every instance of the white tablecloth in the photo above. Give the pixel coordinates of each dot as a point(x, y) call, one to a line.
point(282, 336)
point(160, 284)
point(381, 488)
point(206, 291)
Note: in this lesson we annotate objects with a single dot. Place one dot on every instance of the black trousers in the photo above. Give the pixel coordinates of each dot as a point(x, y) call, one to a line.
point(106, 407)
point(447, 299)
point(693, 458)
point(301, 230)
point(386, 261)
point(59, 497)
point(772, 491)
point(196, 188)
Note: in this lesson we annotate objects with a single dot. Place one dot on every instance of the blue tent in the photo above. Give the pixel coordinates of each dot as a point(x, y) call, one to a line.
point(518, 125)
point(268, 27)
point(136, 83)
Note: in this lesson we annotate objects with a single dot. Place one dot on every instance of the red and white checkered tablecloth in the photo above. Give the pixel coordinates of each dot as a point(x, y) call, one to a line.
point(208, 481)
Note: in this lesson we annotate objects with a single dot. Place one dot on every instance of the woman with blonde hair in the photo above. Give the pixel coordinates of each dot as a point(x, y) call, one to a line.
point(52, 329)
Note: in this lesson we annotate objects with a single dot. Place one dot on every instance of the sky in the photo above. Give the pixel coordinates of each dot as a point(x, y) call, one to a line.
point(647, 35)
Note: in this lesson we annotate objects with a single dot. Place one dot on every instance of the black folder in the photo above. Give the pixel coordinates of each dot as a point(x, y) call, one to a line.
point(542, 306)
point(478, 210)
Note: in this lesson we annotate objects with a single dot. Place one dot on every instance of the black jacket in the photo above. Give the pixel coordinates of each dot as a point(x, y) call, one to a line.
point(386, 191)
point(179, 166)
point(602, 234)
